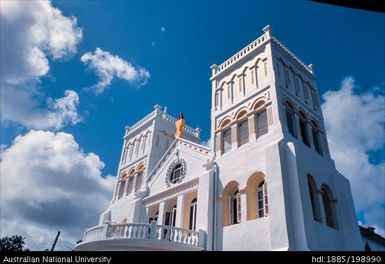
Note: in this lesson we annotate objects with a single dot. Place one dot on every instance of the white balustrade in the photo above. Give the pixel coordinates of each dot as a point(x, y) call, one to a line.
point(146, 231)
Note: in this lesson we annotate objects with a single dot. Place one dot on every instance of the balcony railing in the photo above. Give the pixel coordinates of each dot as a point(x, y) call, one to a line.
point(146, 231)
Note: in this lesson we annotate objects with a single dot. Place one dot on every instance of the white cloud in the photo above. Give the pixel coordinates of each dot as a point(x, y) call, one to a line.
point(355, 125)
point(56, 114)
point(163, 29)
point(31, 33)
point(107, 66)
point(48, 184)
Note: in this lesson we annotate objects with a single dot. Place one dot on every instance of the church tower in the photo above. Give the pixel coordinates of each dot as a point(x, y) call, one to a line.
point(144, 144)
point(267, 182)
point(278, 188)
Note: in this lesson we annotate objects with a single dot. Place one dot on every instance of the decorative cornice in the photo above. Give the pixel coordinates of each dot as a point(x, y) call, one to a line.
point(168, 194)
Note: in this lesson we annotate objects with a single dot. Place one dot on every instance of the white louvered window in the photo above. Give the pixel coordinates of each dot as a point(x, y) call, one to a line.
point(226, 140)
point(138, 183)
point(243, 132)
point(262, 126)
point(129, 184)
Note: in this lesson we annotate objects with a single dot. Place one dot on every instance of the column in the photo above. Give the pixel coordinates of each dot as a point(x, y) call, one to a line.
point(310, 136)
point(117, 191)
point(243, 206)
point(297, 129)
point(220, 98)
point(162, 210)
point(218, 143)
point(148, 209)
point(234, 136)
point(126, 186)
point(180, 211)
point(320, 205)
point(252, 132)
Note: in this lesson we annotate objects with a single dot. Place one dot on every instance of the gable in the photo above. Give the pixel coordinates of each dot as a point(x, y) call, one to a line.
point(185, 158)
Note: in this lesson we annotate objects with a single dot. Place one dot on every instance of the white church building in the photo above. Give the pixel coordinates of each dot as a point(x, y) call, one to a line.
point(267, 181)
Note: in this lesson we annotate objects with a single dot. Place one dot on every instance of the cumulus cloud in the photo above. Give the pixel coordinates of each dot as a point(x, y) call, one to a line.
point(107, 66)
point(31, 33)
point(48, 183)
point(355, 125)
point(56, 114)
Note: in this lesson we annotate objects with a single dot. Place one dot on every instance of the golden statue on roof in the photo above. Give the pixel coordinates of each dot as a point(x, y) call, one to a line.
point(179, 126)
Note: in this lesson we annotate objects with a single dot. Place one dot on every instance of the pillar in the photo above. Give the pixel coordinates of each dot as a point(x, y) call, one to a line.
point(180, 211)
point(162, 209)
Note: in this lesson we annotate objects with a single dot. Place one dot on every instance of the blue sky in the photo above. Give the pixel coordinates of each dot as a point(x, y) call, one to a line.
point(176, 42)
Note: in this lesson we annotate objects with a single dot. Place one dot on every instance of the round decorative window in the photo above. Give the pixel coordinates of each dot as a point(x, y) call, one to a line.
point(176, 172)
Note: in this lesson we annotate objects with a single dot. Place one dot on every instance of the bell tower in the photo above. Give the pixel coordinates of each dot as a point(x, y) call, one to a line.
point(278, 188)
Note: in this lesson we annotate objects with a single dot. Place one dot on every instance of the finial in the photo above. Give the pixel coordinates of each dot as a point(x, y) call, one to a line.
point(267, 30)
point(311, 67)
point(198, 131)
point(156, 107)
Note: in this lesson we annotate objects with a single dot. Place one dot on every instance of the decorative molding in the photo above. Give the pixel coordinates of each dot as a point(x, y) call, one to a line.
point(183, 171)
point(182, 188)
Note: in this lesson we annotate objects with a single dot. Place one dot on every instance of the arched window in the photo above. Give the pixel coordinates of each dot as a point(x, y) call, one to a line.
point(257, 198)
point(261, 123)
point(314, 198)
point(290, 118)
point(121, 189)
point(124, 155)
point(144, 144)
point(231, 210)
point(303, 128)
point(243, 132)
point(262, 200)
point(193, 214)
point(226, 140)
point(329, 206)
point(138, 183)
point(316, 137)
point(235, 208)
point(131, 149)
point(137, 147)
point(130, 181)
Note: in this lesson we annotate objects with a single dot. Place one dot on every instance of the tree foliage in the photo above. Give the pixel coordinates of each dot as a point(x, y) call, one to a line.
point(13, 243)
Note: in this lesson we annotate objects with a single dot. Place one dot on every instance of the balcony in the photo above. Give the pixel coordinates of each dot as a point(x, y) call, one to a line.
point(138, 237)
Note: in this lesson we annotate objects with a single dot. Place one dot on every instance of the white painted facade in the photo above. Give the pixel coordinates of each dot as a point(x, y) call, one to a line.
point(267, 182)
